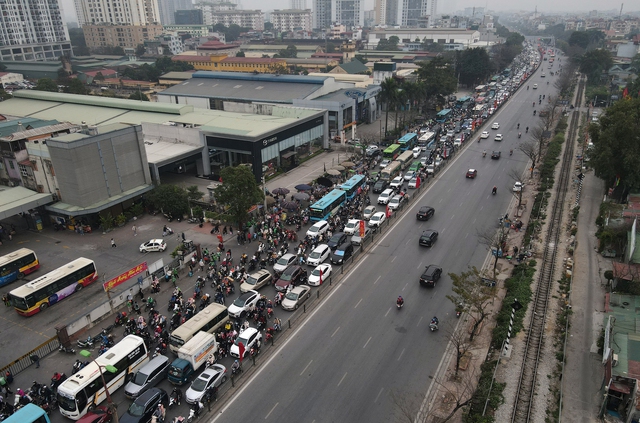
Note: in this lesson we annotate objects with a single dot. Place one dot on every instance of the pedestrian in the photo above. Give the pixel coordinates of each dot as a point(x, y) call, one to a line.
point(135, 230)
point(34, 358)
point(113, 243)
point(5, 300)
point(184, 238)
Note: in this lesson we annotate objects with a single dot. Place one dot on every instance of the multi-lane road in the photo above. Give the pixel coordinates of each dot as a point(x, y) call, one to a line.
point(356, 349)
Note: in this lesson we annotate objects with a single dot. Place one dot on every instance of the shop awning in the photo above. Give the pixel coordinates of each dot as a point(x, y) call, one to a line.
point(289, 154)
point(20, 200)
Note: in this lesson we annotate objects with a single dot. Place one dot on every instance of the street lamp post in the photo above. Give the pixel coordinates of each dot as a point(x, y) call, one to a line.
point(110, 369)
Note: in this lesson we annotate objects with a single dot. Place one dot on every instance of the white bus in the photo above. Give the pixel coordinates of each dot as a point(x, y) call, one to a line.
point(85, 389)
point(213, 317)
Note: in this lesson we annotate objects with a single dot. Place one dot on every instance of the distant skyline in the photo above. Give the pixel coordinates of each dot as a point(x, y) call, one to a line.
point(448, 6)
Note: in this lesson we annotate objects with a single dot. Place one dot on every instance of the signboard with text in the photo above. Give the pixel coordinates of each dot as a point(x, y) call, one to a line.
point(110, 284)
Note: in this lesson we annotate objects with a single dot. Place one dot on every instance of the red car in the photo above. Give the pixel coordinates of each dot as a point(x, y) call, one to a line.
point(101, 414)
point(472, 173)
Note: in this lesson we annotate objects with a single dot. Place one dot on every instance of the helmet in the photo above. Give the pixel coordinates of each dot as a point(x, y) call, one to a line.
point(236, 361)
point(399, 297)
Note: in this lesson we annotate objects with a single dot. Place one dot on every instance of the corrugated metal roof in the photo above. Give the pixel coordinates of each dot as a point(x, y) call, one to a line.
point(51, 128)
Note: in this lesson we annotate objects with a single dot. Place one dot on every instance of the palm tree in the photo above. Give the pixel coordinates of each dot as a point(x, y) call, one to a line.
point(388, 95)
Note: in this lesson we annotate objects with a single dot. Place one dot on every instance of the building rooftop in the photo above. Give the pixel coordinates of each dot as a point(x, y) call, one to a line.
point(10, 127)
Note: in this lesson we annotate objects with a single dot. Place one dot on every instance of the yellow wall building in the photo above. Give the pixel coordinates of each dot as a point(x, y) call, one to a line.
point(224, 63)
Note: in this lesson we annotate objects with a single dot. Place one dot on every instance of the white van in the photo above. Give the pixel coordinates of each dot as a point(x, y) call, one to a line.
point(385, 196)
point(416, 152)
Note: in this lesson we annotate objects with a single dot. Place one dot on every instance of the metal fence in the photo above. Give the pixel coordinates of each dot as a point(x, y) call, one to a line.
point(22, 363)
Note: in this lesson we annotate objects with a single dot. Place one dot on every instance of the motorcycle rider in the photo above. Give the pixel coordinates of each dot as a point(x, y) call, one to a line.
point(526, 130)
point(435, 321)
point(400, 301)
point(494, 190)
point(177, 392)
point(484, 153)
point(235, 367)
point(518, 126)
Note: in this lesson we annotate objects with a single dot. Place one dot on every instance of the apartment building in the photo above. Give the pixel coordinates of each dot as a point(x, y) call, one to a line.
point(291, 19)
point(117, 12)
point(125, 36)
point(168, 8)
point(32, 31)
point(253, 19)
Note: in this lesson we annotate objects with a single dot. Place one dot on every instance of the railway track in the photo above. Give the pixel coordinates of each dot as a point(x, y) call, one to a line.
point(525, 395)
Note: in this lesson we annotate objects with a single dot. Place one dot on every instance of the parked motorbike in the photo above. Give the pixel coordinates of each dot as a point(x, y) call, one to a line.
point(62, 348)
point(87, 343)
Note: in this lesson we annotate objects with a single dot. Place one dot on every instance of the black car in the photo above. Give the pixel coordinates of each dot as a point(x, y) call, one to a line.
point(141, 410)
point(380, 186)
point(293, 275)
point(430, 275)
point(342, 253)
point(338, 238)
point(428, 238)
point(495, 155)
point(425, 213)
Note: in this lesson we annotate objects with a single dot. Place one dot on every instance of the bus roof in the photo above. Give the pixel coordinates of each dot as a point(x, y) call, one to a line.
point(392, 147)
point(27, 414)
point(352, 181)
point(329, 198)
point(408, 137)
point(38, 283)
point(444, 112)
point(21, 252)
point(427, 135)
point(464, 99)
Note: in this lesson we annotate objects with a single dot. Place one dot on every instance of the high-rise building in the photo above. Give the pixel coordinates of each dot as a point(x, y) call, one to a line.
point(290, 20)
point(32, 30)
point(209, 8)
point(253, 19)
point(474, 12)
point(168, 8)
point(188, 17)
point(298, 4)
point(409, 13)
point(117, 12)
point(349, 13)
point(125, 36)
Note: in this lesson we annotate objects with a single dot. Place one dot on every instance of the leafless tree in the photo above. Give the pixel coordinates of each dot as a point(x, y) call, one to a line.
point(494, 240)
point(530, 149)
point(407, 405)
point(537, 135)
point(460, 341)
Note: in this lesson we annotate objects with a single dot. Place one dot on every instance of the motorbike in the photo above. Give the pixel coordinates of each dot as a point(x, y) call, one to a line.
point(194, 411)
point(88, 343)
point(534, 112)
point(56, 380)
point(166, 231)
point(62, 348)
point(399, 304)
point(175, 399)
point(235, 370)
point(433, 325)
point(193, 220)
point(458, 313)
point(121, 318)
point(494, 191)
point(519, 134)
point(211, 360)
point(78, 365)
point(484, 154)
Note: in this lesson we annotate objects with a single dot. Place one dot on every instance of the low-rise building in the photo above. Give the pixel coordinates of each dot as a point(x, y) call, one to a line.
point(461, 36)
point(224, 63)
point(10, 78)
point(125, 36)
point(196, 31)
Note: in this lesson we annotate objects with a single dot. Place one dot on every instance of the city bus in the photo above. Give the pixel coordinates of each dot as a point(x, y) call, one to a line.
point(53, 287)
point(213, 317)
point(443, 115)
point(391, 171)
point(408, 141)
point(353, 185)
point(426, 140)
point(17, 264)
point(328, 205)
point(29, 413)
point(85, 389)
point(405, 159)
point(392, 152)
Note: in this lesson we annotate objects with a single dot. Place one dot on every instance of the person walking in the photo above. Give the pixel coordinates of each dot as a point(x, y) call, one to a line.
point(135, 230)
point(113, 243)
point(36, 360)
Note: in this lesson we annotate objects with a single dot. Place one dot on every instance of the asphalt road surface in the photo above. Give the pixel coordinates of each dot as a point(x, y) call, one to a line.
point(357, 348)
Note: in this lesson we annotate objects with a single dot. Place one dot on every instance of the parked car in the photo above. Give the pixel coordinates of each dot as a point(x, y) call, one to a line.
point(294, 298)
point(356, 239)
point(517, 187)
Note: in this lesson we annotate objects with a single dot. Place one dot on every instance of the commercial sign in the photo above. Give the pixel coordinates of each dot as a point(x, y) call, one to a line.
point(109, 285)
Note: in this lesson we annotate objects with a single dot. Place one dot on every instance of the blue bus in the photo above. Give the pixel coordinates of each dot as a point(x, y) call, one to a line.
point(17, 264)
point(30, 413)
point(443, 115)
point(328, 205)
point(352, 186)
point(408, 141)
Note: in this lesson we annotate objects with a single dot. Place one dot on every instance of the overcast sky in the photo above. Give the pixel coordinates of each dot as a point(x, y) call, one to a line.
point(444, 6)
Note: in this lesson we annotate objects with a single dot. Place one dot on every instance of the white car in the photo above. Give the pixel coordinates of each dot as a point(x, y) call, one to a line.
point(457, 142)
point(413, 183)
point(495, 125)
point(395, 202)
point(438, 161)
point(249, 338)
point(384, 163)
point(517, 187)
point(244, 303)
point(352, 226)
point(377, 219)
point(498, 137)
point(535, 86)
point(431, 169)
point(397, 182)
point(318, 255)
point(484, 135)
point(409, 175)
point(423, 160)
point(416, 152)
point(368, 212)
point(315, 278)
point(213, 376)
point(153, 245)
point(318, 228)
point(385, 196)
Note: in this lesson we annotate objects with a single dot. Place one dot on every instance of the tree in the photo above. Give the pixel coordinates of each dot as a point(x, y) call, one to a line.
point(268, 26)
point(140, 50)
point(495, 241)
point(99, 77)
point(438, 77)
point(238, 192)
point(4, 95)
point(170, 199)
point(46, 84)
point(388, 44)
point(616, 145)
point(472, 295)
point(194, 193)
point(586, 39)
point(76, 86)
point(291, 51)
point(240, 54)
point(388, 96)
point(530, 150)
point(138, 95)
point(594, 63)
point(331, 48)
point(473, 65)
point(460, 342)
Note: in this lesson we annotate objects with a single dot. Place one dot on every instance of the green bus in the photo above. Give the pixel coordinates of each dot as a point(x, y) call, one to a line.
point(392, 152)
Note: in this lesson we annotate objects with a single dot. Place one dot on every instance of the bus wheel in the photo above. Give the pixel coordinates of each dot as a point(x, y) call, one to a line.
point(20, 275)
point(92, 407)
point(43, 306)
point(79, 287)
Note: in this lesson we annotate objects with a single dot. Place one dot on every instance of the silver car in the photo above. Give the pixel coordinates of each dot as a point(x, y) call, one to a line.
point(212, 377)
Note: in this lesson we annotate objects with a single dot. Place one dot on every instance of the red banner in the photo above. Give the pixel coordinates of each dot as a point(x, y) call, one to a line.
point(361, 229)
point(109, 285)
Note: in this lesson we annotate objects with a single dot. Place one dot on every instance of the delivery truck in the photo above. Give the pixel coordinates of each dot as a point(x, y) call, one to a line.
point(191, 356)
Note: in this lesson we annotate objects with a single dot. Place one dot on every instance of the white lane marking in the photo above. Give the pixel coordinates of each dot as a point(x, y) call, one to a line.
point(377, 280)
point(305, 369)
point(336, 331)
point(452, 216)
point(345, 375)
point(385, 315)
point(366, 343)
point(358, 303)
point(400, 356)
point(393, 259)
point(419, 321)
point(378, 396)
point(408, 241)
point(405, 286)
point(467, 235)
point(269, 413)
